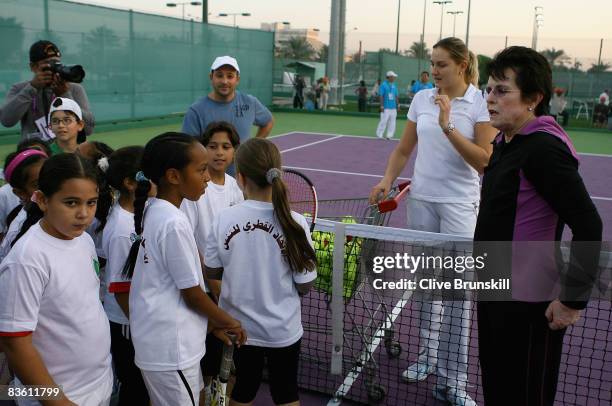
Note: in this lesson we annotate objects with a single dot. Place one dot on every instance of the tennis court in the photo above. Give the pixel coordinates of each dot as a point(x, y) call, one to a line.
point(347, 166)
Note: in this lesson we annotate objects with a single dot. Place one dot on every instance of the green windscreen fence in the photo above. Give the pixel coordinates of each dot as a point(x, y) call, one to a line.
point(137, 65)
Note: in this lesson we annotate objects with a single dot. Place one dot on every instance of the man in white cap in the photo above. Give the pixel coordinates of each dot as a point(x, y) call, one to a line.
point(389, 106)
point(225, 103)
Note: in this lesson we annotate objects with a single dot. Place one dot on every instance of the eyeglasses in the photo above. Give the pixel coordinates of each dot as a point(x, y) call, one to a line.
point(499, 91)
point(66, 121)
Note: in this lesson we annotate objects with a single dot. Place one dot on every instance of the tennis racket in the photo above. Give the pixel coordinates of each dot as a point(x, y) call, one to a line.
point(302, 195)
point(220, 396)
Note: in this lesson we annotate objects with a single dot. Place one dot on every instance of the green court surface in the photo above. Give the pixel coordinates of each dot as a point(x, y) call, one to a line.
point(137, 133)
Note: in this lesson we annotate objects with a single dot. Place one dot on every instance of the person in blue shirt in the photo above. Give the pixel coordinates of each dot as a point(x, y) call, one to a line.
point(225, 103)
point(422, 84)
point(389, 106)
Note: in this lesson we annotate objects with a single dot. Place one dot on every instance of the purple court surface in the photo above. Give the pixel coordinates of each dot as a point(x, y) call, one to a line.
point(344, 167)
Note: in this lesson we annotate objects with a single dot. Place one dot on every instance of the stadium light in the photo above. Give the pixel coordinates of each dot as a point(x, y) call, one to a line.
point(454, 14)
point(183, 4)
point(234, 15)
point(442, 3)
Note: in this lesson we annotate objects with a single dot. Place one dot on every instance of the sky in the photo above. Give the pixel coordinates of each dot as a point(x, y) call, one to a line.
point(375, 26)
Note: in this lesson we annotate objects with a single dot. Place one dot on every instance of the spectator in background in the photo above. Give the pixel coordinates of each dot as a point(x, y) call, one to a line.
point(324, 93)
point(558, 105)
point(423, 83)
point(375, 89)
point(600, 113)
point(29, 102)
point(389, 107)
point(362, 96)
point(606, 95)
point(317, 89)
point(225, 103)
point(298, 97)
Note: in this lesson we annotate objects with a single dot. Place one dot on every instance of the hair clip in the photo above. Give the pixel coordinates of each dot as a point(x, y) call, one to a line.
point(103, 164)
point(140, 177)
point(272, 174)
point(135, 237)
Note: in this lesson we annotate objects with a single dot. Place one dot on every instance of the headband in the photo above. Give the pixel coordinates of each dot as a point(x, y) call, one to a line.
point(22, 156)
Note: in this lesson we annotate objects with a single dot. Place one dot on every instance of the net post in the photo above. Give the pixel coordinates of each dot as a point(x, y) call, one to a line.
point(337, 301)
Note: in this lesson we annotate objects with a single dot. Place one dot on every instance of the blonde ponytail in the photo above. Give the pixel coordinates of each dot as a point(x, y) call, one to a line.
point(471, 72)
point(460, 53)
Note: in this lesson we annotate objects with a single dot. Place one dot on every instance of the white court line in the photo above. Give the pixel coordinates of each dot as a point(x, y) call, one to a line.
point(369, 351)
point(281, 135)
point(607, 199)
point(311, 143)
point(339, 172)
point(592, 154)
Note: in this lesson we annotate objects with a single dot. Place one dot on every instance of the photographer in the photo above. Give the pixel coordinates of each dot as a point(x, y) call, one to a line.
point(29, 102)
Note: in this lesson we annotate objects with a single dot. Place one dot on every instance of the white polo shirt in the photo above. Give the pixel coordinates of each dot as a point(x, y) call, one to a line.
point(441, 175)
point(167, 335)
point(8, 201)
point(116, 244)
point(258, 286)
point(202, 212)
point(49, 287)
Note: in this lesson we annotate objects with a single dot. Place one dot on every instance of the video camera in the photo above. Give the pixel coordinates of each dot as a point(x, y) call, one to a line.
point(70, 73)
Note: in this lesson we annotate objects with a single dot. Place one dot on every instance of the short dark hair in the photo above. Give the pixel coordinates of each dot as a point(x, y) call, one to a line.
point(425, 72)
point(219, 127)
point(34, 143)
point(533, 73)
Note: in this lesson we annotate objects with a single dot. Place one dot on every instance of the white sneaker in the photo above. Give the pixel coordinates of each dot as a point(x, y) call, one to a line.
point(453, 396)
point(419, 371)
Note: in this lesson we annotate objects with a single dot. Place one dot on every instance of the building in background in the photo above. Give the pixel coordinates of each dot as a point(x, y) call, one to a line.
point(284, 32)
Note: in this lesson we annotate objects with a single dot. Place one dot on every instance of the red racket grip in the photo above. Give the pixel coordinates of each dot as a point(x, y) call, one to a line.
point(391, 204)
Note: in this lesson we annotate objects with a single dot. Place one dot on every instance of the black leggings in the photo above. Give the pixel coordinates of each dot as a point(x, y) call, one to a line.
point(133, 390)
point(519, 354)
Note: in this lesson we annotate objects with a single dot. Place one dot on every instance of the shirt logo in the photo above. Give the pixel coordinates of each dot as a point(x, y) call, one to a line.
point(96, 267)
point(249, 227)
point(241, 109)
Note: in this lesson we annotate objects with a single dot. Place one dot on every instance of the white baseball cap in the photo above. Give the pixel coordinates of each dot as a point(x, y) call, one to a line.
point(391, 73)
point(224, 60)
point(64, 104)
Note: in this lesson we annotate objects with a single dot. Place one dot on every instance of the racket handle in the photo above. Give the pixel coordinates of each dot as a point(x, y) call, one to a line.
point(391, 204)
point(227, 359)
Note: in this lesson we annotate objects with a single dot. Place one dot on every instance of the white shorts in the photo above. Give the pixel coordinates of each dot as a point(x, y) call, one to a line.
point(167, 388)
point(446, 218)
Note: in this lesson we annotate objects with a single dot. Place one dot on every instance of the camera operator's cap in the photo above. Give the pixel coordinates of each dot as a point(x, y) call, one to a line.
point(391, 74)
point(63, 104)
point(42, 50)
point(224, 60)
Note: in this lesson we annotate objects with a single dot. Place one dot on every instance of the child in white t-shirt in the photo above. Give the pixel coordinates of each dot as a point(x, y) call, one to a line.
point(168, 306)
point(123, 165)
point(221, 140)
point(52, 325)
point(264, 254)
point(21, 172)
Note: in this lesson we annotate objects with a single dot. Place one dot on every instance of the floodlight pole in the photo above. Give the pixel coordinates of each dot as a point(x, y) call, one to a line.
point(422, 47)
point(467, 31)
point(454, 14)
point(442, 3)
point(399, 3)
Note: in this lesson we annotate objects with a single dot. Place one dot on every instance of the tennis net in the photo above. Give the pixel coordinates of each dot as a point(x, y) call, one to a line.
point(361, 334)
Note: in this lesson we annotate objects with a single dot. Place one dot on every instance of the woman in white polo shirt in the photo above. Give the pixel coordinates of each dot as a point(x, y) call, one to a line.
point(450, 123)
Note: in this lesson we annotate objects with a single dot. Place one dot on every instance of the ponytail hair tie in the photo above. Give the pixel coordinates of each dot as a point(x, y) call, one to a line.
point(272, 174)
point(135, 237)
point(140, 177)
point(103, 164)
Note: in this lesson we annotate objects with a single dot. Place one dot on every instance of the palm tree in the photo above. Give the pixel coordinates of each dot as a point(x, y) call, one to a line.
point(418, 50)
point(298, 48)
point(323, 52)
point(555, 56)
point(599, 67)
